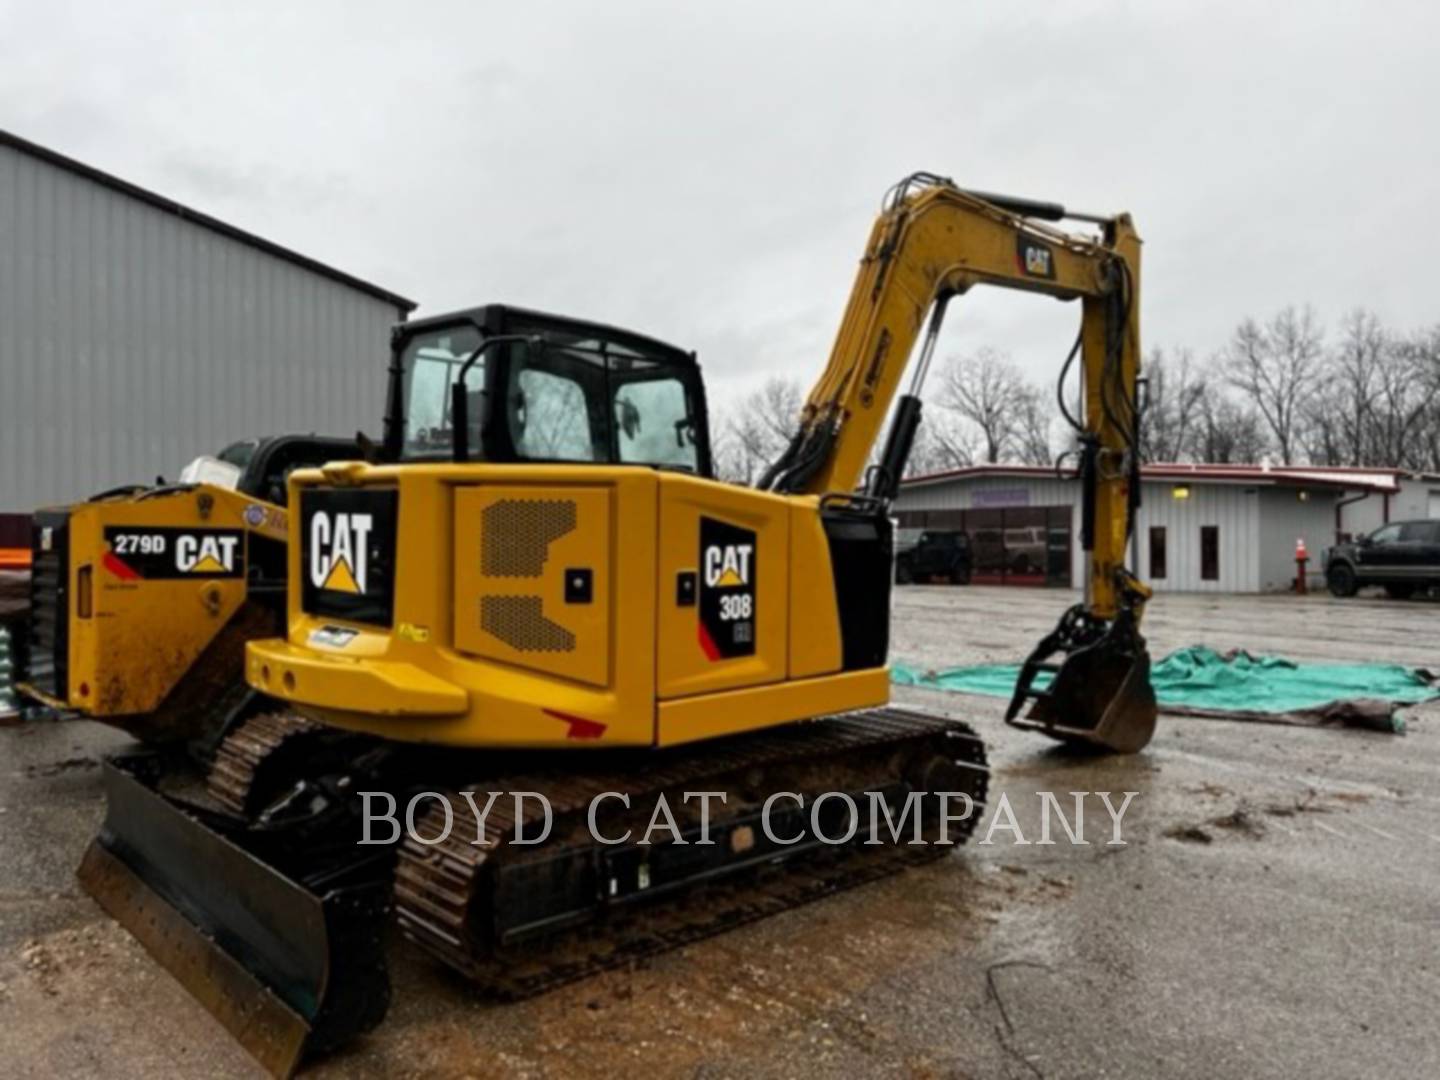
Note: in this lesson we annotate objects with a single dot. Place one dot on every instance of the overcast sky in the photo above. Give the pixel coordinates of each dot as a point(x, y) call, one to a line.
point(708, 172)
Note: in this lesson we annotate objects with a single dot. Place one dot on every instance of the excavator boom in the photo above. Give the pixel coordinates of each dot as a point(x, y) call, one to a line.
point(933, 242)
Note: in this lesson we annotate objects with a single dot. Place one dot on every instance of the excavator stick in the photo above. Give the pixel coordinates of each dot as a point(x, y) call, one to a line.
point(1100, 691)
point(288, 968)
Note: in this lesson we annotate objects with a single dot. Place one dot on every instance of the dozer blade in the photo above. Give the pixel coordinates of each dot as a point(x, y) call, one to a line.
point(1101, 692)
point(288, 971)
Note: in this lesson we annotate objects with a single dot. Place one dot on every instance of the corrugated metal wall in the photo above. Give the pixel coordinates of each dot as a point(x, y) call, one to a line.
point(1284, 518)
point(132, 340)
point(1232, 508)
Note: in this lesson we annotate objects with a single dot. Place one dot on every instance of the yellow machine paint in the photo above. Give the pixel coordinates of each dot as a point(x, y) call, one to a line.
point(540, 561)
point(481, 644)
point(490, 645)
point(153, 579)
point(144, 597)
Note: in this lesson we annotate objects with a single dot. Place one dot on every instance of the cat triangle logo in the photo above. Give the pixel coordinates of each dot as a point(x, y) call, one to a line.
point(208, 565)
point(340, 579)
point(728, 580)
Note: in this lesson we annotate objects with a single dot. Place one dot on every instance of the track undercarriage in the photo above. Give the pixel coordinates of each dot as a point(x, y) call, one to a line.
point(261, 877)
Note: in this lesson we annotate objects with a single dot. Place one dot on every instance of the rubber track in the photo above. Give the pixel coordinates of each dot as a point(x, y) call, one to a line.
point(435, 883)
point(244, 750)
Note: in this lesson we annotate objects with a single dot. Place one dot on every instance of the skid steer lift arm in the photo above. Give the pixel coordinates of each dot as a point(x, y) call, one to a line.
point(931, 243)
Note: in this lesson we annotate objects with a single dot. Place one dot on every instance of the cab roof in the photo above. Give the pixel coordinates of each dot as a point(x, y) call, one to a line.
point(509, 319)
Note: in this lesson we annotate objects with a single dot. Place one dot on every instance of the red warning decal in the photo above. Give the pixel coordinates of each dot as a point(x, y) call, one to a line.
point(707, 643)
point(580, 728)
point(116, 566)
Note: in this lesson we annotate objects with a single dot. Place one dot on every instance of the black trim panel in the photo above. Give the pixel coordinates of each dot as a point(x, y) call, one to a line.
point(862, 547)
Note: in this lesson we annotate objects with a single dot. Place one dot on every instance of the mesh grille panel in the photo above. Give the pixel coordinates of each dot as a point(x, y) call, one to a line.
point(519, 622)
point(517, 534)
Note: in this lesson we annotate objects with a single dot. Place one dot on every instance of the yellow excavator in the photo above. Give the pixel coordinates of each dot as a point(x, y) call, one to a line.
point(538, 627)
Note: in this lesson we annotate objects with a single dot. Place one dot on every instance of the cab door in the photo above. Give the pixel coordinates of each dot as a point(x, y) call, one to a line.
point(1420, 548)
point(723, 617)
point(1430, 551)
point(1382, 553)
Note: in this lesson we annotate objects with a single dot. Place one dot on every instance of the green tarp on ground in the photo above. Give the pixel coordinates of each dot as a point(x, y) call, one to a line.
point(1202, 679)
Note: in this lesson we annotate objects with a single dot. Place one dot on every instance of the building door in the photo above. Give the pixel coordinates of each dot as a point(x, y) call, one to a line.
point(1027, 545)
point(987, 545)
point(1058, 547)
point(1209, 552)
point(1158, 566)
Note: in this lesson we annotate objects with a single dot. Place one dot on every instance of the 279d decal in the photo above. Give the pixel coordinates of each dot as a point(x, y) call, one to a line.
point(166, 553)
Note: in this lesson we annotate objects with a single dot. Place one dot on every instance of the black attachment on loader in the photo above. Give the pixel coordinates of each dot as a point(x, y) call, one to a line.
point(1100, 692)
point(291, 965)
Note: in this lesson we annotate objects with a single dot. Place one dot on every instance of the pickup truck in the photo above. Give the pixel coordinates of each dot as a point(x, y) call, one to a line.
point(944, 555)
point(1403, 556)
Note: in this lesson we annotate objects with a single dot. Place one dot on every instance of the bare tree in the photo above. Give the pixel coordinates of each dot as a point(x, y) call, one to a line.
point(747, 437)
point(942, 442)
point(1424, 350)
point(1226, 433)
point(1173, 399)
point(988, 391)
point(1407, 390)
point(1351, 386)
point(1277, 366)
point(1035, 427)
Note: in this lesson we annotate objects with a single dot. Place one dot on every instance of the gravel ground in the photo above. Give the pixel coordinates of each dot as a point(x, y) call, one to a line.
point(1273, 913)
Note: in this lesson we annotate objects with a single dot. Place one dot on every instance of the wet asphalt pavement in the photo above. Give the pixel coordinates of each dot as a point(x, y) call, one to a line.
point(1274, 912)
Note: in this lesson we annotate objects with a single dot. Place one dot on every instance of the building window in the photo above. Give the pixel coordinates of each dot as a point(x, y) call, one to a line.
point(1209, 552)
point(1157, 552)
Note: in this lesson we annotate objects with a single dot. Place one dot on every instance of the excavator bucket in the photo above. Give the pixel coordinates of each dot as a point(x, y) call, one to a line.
point(1099, 693)
point(288, 968)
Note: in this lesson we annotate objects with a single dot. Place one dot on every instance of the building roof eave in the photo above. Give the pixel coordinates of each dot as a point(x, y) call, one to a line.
point(169, 206)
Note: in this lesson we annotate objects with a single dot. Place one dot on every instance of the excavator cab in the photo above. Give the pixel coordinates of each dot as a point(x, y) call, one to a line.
point(501, 384)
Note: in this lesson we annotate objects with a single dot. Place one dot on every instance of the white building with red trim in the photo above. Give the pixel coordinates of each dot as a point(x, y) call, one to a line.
point(1201, 528)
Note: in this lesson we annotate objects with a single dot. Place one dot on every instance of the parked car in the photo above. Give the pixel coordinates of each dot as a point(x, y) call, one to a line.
point(1017, 549)
point(1403, 556)
point(936, 554)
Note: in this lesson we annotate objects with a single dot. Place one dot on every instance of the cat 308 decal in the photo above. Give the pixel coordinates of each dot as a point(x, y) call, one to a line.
point(727, 590)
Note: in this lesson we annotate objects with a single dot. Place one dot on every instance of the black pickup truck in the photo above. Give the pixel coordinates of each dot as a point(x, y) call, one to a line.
point(1403, 556)
point(943, 555)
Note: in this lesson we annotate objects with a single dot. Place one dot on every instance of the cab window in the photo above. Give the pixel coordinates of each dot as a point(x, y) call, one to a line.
point(654, 423)
point(1388, 534)
point(549, 418)
point(432, 364)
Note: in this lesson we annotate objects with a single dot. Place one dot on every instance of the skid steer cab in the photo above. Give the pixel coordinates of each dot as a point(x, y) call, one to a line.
point(546, 560)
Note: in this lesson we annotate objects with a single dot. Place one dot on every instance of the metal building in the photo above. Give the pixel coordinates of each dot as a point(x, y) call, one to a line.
point(136, 334)
point(1201, 528)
